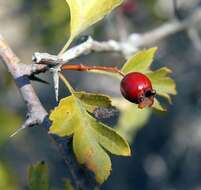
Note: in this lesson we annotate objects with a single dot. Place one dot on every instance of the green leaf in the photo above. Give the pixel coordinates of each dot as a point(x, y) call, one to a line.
point(140, 62)
point(89, 136)
point(91, 101)
point(86, 13)
point(161, 82)
point(38, 177)
point(131, 118)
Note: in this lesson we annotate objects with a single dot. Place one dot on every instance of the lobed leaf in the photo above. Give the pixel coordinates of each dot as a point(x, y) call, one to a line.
point(161, 82)
point(92, 101)
point(110, 139)
point(140, 62)
point(64, 117)
point(89, 136)
point(90, 153)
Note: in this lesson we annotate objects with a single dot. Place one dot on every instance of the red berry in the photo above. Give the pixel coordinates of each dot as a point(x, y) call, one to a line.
point(137, 88)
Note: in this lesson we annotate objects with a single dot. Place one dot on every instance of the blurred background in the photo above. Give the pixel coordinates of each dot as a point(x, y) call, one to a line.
point(166, 146)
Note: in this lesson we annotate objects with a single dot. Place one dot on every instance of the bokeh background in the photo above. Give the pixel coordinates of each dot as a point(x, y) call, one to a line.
point(166, 149)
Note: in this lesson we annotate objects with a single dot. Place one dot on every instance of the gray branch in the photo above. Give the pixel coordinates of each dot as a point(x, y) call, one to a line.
point(127, 48)
point(37, 115)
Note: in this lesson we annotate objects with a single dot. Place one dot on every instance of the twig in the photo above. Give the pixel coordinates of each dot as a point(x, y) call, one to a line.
point(82, 49)
point(127, 48)
point(95, 68)
point(37, 115)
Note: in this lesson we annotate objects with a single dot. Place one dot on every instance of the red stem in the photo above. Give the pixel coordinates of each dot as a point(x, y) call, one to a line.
point(88, 68)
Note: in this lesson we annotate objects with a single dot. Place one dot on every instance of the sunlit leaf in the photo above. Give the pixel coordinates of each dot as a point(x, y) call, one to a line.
point(85, 13)
point(90, 153)
point(38, 177)
point(140, 62)
point(161, 82)
point(110, 139)
point(65, 118)
point(89, 136)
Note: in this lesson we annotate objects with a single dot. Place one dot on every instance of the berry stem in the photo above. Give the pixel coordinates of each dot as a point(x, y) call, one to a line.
point(82, 67)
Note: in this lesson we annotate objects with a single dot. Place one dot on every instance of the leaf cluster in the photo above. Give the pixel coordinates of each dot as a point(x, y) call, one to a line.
point(92, 139)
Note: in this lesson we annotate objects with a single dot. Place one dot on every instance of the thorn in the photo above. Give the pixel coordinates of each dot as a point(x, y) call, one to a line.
point(28, 123)
point(56, 83)
point(34, 78)
point(17, 131)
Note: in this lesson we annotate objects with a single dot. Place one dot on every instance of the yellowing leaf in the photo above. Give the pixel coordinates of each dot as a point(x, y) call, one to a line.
point(91, 101)
point(110, 139)
point(85, 13)
point(89, 135)
point(63, 117)
point(90, 153)
point(38, 177)
point(140, 62)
